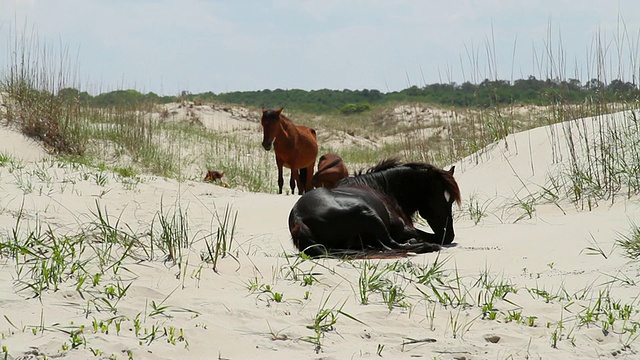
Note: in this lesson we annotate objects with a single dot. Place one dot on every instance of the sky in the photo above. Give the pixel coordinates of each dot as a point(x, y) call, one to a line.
point(169, 46)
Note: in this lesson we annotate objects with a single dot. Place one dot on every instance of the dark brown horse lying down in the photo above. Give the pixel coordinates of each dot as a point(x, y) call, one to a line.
point(372, 212)
point(331, 169)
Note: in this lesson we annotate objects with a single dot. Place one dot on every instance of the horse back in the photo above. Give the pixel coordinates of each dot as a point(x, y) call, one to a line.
point(298, 150)
point(306, 148)
point(331, 169)
point(307, 131)
point(342, 219)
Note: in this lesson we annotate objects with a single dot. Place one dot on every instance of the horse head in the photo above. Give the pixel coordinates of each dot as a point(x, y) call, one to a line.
point(436, 207)
point(269, 122)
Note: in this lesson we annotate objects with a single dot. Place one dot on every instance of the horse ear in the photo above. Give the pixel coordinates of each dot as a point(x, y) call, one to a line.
point(279, 110)
point(263, 109)
point(452, 169)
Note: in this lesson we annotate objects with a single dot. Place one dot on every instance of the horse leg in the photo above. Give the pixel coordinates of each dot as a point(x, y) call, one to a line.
point(308, 182)
point(295, 179)
point(302, 180)
point(384, 239)
point(292, 182)
point(431, 238)
point(406, 238)
point(280, 178)
point(421, 241)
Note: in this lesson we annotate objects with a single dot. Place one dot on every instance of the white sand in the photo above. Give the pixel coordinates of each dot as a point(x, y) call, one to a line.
point(221, 318)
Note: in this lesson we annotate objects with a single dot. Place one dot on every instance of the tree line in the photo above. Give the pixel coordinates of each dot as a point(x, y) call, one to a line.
point(485, 94)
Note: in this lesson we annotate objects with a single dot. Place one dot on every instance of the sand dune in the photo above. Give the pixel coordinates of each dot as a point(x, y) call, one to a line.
point(540, 268)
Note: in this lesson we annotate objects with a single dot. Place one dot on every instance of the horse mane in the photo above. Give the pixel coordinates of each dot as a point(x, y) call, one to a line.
point(372, 175)
point(271, 113)
point(383, 165)
point(450, 184)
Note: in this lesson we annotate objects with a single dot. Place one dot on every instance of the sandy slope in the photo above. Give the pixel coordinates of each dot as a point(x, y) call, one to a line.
point(13, 142)
point(222, 318)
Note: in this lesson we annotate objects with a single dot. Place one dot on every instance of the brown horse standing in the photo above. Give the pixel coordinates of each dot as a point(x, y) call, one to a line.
point(295, 146)
point(331, 169)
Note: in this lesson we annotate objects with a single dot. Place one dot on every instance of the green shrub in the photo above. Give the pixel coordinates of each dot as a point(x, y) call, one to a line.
point(349, 109)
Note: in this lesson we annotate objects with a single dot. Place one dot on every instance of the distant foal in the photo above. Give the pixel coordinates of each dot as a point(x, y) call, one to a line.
point(213, 175)
point(296, 148)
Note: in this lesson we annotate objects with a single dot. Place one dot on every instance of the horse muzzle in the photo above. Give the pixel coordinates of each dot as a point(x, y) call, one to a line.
point(267, 145)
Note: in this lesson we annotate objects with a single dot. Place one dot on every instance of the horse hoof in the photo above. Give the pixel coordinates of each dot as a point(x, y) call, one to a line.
point(427, 248)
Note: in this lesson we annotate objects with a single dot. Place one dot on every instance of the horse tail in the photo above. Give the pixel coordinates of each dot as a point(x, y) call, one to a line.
point(304, 241)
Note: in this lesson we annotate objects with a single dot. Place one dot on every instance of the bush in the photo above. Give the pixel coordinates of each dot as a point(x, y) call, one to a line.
point(349, 109)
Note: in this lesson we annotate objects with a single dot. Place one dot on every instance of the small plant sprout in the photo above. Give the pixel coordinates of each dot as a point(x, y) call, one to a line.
point(220, 247)
point(323, 321)
point(630, 242)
